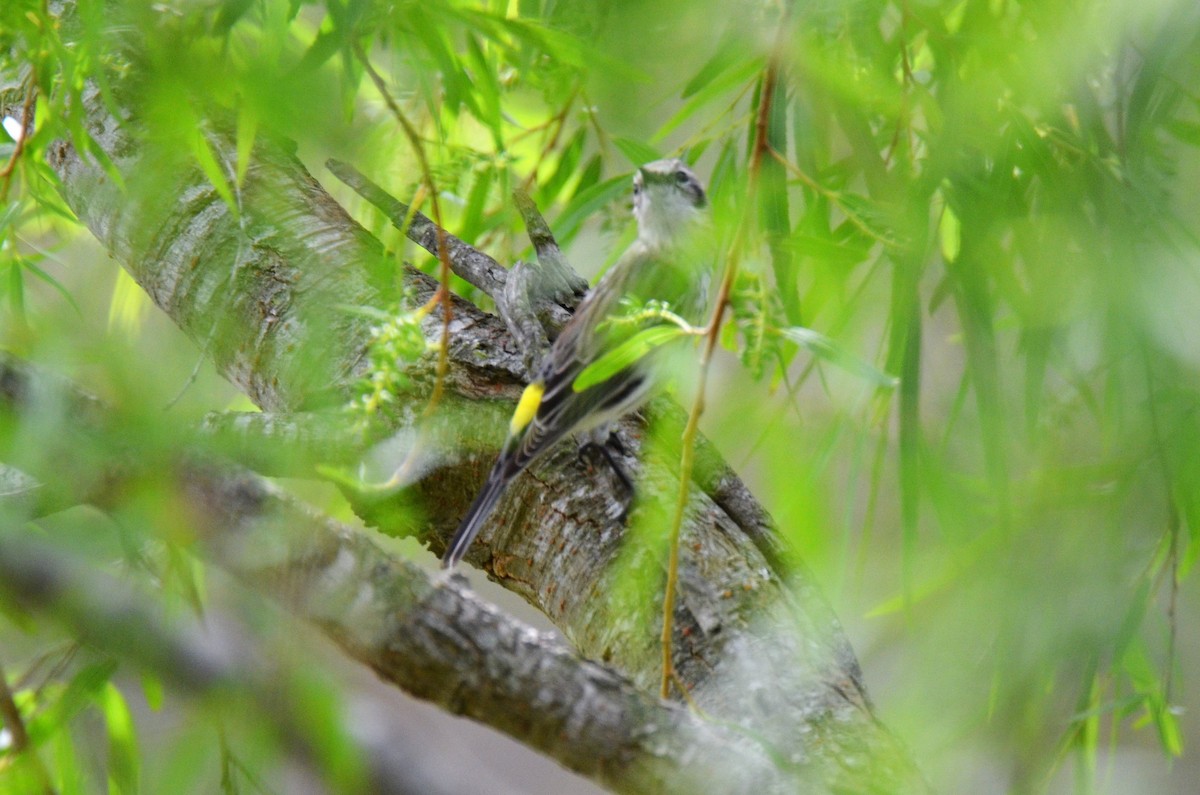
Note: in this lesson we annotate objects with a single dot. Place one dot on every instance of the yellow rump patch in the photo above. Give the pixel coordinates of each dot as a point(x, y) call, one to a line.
point(531, 398)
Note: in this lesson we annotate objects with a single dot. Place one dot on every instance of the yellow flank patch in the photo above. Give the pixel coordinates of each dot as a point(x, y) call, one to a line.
point(531, 398)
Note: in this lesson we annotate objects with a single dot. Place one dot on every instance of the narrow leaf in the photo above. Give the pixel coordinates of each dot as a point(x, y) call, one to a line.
point(247, 131)
point(568, 164)
point(734, 77)
point(30, 266)
point(824, 347)
point(202, 151)
point(637, 152)
point(725, 56)
point(123, 760)
point(152, 690)
point(625, 354)
point(586, 203)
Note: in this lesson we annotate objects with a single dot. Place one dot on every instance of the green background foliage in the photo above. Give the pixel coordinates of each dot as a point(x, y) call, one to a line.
point(992, 200)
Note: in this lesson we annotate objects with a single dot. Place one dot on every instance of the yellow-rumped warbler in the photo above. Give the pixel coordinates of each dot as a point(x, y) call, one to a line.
point(668, 200)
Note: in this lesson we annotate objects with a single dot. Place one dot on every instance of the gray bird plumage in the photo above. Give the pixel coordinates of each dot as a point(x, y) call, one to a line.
point(663, 263)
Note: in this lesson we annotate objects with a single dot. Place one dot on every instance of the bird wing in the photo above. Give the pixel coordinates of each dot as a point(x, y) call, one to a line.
point(563, 410)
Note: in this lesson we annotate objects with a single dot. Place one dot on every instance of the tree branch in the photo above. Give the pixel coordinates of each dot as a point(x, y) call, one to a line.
point(213, 661)
point(434, 639)
point(468, 263)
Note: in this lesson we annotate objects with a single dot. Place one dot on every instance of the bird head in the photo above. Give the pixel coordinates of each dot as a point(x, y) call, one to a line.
point(667, 199)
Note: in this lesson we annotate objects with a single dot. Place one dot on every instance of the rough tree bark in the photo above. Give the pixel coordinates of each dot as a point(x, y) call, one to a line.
point(259, 291)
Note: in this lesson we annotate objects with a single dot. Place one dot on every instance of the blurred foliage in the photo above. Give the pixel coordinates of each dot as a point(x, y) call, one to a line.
point(397, 341)
point(993, 200)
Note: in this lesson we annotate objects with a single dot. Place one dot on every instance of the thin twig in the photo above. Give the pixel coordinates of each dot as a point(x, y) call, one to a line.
point(20, 736)
point(834, 196)
point(467, 262)
point(559, 122)
point(442, 295)
point(712, 333)
point(26, 130)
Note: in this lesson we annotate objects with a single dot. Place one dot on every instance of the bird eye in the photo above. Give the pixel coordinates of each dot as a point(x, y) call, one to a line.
point(681, 177)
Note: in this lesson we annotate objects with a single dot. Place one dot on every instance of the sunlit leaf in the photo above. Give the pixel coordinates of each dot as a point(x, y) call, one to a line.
point(124, 761)
point(949, 234)
point(625, 355)
point(488, 89)
point(203, 153)
point(71, 700)
point(247, 132)
point(129, 304)
point(152, 689)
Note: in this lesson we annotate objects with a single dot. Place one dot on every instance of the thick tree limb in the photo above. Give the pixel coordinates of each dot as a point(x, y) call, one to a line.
point(214, 660)
point(434, 639)
point(441, 643)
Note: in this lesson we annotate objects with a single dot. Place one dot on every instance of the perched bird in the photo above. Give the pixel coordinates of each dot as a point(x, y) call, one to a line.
point(665, 264)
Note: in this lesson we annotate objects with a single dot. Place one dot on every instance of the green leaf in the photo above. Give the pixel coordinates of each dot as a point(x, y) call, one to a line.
point(16, 290)
point(128, 305)
point(637, 152)
point(11, 215)
point(68, 777)
point(588, 176)
point(320, 711)
point(869, 217)
point(721, 60)
point(202, 151)
point(1168, 728)
point(247, 131)
point(584, 204)
point(1186, 131)
point(231, 11)
point(625, 354)
point(488, 90)
point(527, 35)
point(735, 76)
point(568, 163)
point(829, 251)
point(152, 690)
point(29, 265)
point(455, 84)
point(950, 234)
point(472, 222)
point(824, 347)
point(73, 699)
point(327, 44)
point(123, 759)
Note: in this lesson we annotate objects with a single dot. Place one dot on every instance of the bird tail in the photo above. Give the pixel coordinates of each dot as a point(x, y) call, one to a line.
point(486, 500)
